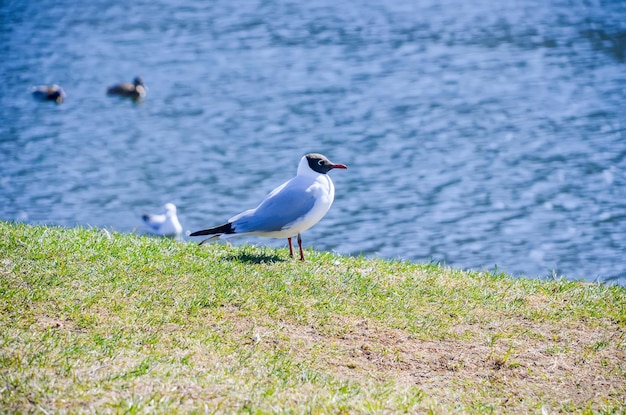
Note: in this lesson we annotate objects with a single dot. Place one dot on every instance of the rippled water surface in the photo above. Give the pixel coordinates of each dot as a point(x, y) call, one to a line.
point(477, 133)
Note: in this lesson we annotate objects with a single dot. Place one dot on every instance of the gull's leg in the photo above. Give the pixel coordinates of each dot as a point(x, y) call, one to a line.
point(300, 245)
point(290, 247)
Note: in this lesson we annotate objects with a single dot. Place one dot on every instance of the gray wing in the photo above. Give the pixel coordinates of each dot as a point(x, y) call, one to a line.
point(154, 221)
point(283, 206)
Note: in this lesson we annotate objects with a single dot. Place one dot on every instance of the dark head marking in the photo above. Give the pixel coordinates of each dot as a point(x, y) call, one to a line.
point(321, 164)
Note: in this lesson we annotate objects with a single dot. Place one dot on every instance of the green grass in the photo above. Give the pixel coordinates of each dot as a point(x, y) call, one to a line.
point(99, 322)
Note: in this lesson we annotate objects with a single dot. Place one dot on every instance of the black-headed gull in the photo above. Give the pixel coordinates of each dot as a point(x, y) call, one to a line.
point(49, 93)
point(165, 224)
point(136, 90)
point(288, 210)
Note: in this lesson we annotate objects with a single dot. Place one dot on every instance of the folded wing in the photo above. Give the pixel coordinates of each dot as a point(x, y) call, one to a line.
point(285, 205)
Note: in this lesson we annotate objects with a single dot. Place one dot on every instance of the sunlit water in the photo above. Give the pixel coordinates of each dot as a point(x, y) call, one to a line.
point(477, 133)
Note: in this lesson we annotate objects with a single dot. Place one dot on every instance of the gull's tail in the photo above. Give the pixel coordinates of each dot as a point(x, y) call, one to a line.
point(217, 231)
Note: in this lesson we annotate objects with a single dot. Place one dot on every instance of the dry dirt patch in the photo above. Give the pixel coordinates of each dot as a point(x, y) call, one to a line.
point(544, 364)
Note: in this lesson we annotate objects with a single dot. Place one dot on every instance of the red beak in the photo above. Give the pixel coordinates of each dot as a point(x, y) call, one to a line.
point(340, 166)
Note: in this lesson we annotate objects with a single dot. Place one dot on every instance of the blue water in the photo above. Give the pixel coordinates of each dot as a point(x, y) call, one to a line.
point(477, 133)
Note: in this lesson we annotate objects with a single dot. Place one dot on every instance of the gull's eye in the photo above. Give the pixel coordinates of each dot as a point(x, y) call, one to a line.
point(320, 162)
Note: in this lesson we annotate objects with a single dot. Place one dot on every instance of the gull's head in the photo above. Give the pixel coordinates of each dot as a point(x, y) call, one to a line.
point(170, 209)
point(317, 163)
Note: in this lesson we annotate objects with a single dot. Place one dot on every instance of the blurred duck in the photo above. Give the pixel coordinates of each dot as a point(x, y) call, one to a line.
point(49, 93)
point(165, 224)
point(136, 90)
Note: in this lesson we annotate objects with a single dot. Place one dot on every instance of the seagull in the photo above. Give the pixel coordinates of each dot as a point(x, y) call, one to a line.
point(136, 90)
point(288, 210)
point(49, 93)
point(165, 224)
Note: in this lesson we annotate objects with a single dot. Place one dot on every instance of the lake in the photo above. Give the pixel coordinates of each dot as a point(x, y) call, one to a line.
point(478, 134)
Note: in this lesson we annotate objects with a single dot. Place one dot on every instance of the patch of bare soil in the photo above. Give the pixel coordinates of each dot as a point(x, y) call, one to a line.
point(544, 365)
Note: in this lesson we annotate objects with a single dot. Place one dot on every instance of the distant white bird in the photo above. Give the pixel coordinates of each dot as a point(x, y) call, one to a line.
point(288, 210)
point(165, 224)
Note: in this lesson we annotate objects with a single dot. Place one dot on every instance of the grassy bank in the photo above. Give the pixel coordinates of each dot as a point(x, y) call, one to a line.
point(99, 322)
